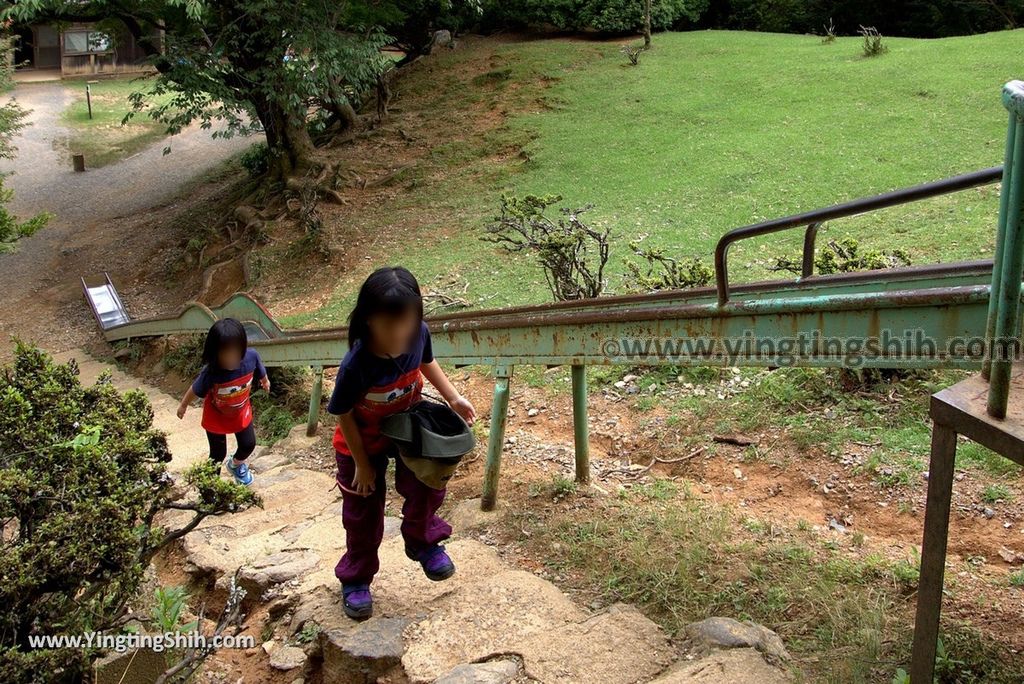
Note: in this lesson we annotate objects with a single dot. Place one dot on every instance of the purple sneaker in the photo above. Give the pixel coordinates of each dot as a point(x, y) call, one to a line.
point(436, 563)
point(358, 601)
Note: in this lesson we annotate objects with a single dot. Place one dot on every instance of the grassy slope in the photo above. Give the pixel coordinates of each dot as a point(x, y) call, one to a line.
point(717, 130)
point(713, 130)
point(102, 139)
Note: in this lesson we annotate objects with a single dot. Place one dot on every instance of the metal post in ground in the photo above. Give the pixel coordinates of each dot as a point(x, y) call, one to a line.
point(496, 439)
point(313, 422)
point(581, 432)
point(1007, 300)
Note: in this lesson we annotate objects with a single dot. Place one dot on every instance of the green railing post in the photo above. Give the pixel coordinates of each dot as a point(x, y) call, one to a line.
point(496, 439)
point(581, 433)
point(1004, 344)
point(997, 256)
point(314, 401)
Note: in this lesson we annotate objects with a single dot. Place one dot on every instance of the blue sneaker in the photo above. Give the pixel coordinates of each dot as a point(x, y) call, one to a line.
point(241, 472)
point(358, 601)
point(437, 566)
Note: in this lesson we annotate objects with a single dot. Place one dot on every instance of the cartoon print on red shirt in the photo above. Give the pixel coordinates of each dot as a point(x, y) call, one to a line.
point(226, 406)
point(231, 398)
point(374, 387)
point(378, 403)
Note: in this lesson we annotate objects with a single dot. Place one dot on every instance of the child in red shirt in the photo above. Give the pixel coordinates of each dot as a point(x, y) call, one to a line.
point(382, 374)
point(224, 385)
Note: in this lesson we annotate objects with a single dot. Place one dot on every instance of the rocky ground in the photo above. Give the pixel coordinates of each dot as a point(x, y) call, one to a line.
point(490, 623)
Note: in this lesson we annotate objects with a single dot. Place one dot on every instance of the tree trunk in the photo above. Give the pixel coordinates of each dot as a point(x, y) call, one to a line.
point(291, 148)
point(647, 24)
point(343, 114)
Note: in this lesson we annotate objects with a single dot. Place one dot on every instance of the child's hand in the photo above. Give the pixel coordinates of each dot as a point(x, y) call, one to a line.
point(364, 482)
point(465, 409)
point(265, 384)
point(181, 410)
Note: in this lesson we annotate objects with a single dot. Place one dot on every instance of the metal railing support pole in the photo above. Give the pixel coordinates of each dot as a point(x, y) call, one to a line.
point(810, 238)
point(997, 257)
point(933, 553)
point(581, 432)
point(1007, 301)
point(496, 438)
point(313, 421)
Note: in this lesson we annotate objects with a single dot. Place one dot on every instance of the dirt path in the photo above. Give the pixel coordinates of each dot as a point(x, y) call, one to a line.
point(44, 180)
point(105, 219)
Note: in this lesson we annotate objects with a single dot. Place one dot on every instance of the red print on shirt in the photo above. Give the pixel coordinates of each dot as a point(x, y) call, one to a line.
point(380, 402)
point(226, 407)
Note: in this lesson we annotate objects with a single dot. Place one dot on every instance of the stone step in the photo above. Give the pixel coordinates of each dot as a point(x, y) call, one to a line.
point(422, 629)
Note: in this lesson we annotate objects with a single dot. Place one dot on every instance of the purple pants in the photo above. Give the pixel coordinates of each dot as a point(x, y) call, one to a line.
point(363, 518)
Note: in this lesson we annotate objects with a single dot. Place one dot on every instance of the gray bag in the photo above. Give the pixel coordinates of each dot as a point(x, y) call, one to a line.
point(431, 440)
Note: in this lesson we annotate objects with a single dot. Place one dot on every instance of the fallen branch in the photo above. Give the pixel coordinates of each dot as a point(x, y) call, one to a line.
point(386, 178)
point(439, 301)
point(696, 452)
point(738, 440)
point(656, 459)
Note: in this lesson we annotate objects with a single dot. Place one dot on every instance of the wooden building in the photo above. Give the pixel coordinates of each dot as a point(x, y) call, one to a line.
point(78, 49)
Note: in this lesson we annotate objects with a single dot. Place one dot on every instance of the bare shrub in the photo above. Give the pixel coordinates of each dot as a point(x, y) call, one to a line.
point(572, 253)
point(632, 53)
point(660, 272)
point(830, 32)
point(873, 45)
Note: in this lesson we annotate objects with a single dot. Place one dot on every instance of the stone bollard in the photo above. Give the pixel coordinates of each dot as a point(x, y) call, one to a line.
point(78, 160)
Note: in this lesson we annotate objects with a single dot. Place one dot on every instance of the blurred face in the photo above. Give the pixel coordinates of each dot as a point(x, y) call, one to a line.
point(392, 333)
point(229, 358)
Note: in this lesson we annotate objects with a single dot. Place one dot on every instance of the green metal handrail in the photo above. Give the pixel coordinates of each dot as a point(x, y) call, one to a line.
point(1003, 323)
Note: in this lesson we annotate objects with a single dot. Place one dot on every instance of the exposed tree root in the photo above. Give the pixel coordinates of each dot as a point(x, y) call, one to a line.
point(386, 178)
point(249, 217)
point(298, 184)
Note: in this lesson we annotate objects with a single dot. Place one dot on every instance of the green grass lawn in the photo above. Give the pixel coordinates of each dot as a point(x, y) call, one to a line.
point(717, 130)
point(713, 130)
point(103, 139)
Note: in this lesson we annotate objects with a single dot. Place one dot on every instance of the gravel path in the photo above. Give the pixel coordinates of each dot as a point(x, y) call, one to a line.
point(106, 219)
point(43, 178)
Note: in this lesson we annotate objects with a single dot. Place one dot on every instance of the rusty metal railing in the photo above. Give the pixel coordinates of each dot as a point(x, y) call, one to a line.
point(811, 221)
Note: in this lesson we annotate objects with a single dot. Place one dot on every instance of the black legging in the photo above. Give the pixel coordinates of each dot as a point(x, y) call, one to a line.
point(219, 444)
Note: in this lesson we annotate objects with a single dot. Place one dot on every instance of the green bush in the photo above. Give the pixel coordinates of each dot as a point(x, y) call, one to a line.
point(873, 44)
point(607, 16)
point(184, 355)
point(778, 16)
point(256, 160)
point(82, 478)
point(915, 18)
point(286, 405)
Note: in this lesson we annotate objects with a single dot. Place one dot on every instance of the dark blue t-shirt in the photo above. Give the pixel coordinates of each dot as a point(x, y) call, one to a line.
point(375, 387)
point(225, 393)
